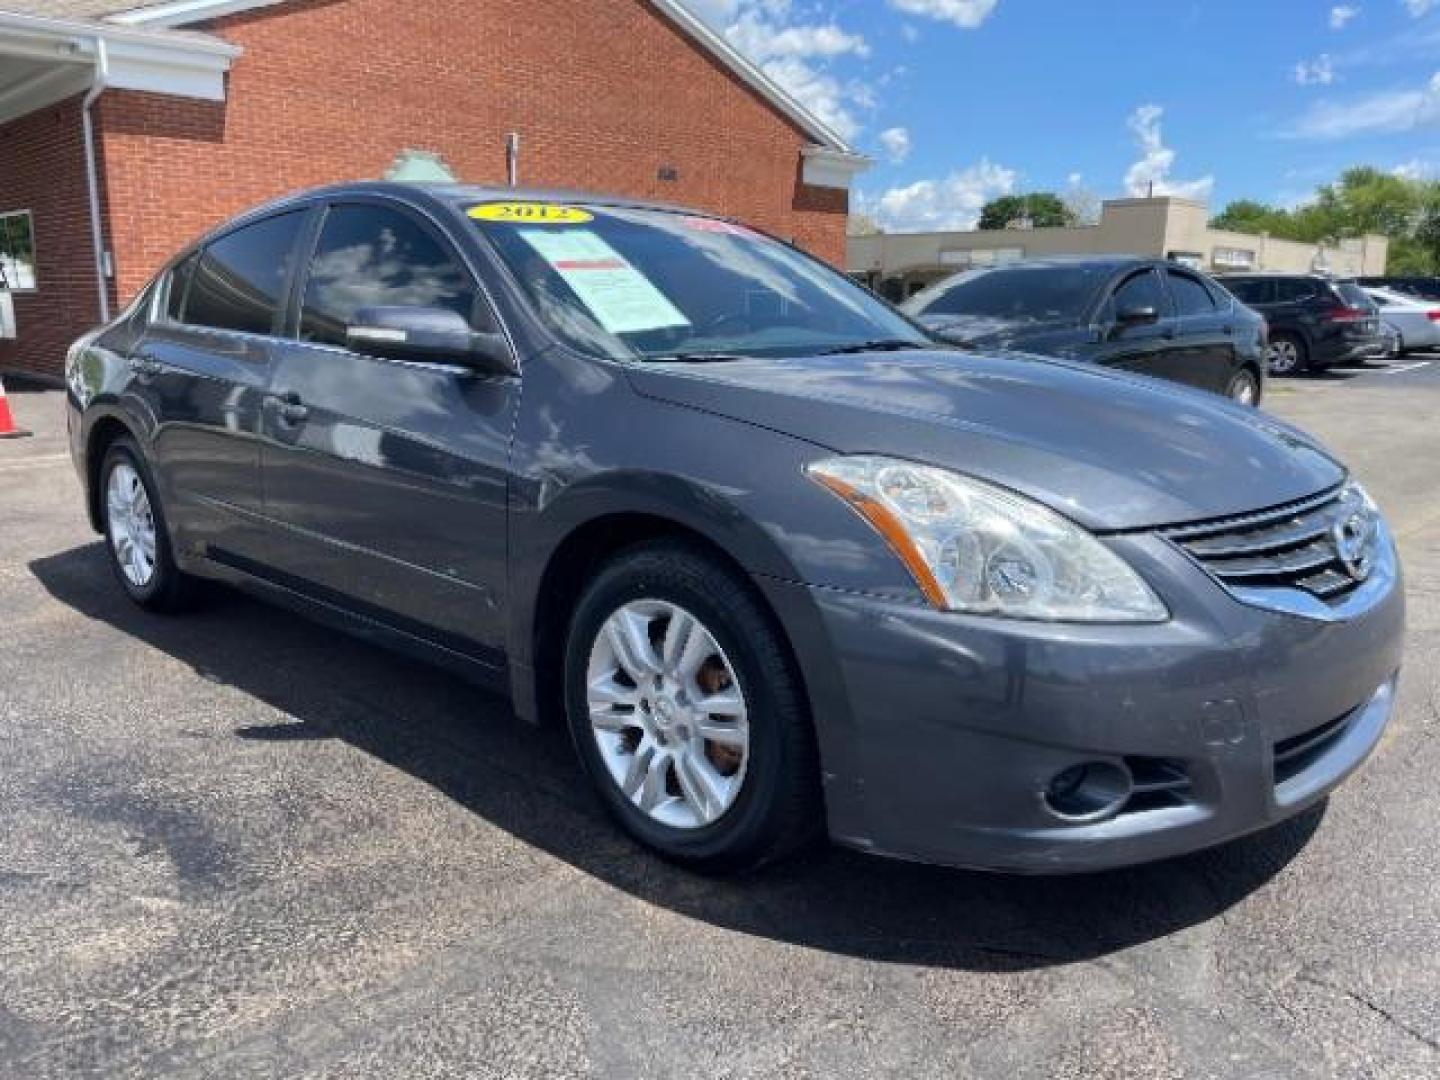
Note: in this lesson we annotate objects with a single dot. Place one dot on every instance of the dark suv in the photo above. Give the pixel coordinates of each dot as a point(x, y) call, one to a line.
point(1315, 323)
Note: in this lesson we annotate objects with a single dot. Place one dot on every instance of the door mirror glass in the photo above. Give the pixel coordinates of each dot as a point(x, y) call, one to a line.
point(426, 335)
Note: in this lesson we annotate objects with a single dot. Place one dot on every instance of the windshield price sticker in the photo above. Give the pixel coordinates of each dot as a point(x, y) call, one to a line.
point(622, 299)
point(526, 213)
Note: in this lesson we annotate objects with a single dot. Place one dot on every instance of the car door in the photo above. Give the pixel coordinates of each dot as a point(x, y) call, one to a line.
point(386, 479)
point(202, 369)
point(1147, 348)
point(1206, 356)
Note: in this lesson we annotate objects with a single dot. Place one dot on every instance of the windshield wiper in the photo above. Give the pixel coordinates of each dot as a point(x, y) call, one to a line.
point(879, 345)
point(696, 358)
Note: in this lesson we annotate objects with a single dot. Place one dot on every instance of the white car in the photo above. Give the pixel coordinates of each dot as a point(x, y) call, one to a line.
point(1417, 321)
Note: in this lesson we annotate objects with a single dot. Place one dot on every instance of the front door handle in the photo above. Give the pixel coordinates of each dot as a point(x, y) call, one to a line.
point(291, 409)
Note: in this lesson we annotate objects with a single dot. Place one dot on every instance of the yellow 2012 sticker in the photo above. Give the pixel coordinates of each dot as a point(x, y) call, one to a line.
point(528, 213)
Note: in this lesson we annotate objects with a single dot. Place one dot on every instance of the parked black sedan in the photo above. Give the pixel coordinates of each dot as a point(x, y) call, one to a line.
point(1146, 315)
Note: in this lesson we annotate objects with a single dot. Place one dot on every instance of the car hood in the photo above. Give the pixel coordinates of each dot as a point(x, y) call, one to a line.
point(1111, 451)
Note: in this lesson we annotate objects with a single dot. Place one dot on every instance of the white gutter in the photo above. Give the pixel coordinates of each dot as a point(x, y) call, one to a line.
point(92, 174)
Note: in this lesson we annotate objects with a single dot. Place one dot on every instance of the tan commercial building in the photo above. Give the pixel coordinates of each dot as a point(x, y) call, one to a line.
point(898, 264)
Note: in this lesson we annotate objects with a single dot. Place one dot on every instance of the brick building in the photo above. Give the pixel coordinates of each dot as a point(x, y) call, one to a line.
point(128, 128)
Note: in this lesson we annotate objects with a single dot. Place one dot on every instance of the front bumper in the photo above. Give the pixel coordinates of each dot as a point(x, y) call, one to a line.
point(942, 733)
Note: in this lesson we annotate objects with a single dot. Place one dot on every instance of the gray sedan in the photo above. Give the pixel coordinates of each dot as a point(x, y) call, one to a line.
point(784, 566)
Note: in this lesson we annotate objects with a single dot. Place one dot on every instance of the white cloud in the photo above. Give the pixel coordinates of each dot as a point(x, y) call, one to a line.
point(1383, 113)
point(1075, 179)
point(1317, 72)
point(1418, 8)
point(966, 14)
point(799, 53)
point(1416, 169)
point(1151, 173)
point(1341, 14)
point(940, 205)
point(896, 141)
point(910, 33)
point(760, 38)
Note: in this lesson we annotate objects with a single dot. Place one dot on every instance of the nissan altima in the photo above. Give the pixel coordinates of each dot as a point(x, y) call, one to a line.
point(784, 567)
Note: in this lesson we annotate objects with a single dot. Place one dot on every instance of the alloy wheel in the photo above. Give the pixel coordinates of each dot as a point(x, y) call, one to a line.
point(131, 525)
point(1283, 357)
point(668, 714)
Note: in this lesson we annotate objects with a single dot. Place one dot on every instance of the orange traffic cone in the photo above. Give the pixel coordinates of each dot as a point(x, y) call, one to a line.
point(8, 430)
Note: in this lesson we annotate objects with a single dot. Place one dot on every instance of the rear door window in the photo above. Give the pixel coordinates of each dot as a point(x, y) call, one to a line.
point(1294, 290)
point(240, 281)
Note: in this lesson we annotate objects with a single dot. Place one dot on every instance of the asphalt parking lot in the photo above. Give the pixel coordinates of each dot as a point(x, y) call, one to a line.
point(236, 844)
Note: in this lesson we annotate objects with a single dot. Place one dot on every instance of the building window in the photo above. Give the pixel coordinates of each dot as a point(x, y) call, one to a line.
point(964, 258)
point(17, 251)
point(1230, 258)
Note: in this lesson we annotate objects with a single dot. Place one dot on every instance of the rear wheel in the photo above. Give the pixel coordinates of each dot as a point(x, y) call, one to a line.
point(686, 712)
point(1244, 388)
point(1286, 355)
point(135, 534)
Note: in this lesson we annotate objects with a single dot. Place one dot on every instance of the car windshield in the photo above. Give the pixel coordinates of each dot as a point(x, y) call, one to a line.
point(656, 285)
point(1014, 293)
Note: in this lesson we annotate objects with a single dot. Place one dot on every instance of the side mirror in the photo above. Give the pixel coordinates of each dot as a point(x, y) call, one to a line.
point(1137, 315)
point(427, 335)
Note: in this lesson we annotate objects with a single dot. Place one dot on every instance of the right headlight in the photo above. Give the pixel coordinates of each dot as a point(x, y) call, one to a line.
point(975, 547)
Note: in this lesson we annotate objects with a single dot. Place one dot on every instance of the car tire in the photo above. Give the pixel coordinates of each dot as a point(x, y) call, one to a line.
point(1286, 355)
point(1244, 388)
point(724, 806)
point(137, 539)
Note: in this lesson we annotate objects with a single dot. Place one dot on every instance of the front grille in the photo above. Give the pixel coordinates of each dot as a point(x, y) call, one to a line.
point(1297, 753)
point(1289, 547)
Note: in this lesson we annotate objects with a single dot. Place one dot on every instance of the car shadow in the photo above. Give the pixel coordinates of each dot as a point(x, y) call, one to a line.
point(467, 744)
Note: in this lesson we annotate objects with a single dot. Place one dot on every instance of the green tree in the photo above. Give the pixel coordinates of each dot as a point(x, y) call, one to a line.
point(1043, 209)
point(1361, 200)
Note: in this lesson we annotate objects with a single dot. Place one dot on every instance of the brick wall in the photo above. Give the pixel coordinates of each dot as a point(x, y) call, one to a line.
point(603, 93)
point(42, 169)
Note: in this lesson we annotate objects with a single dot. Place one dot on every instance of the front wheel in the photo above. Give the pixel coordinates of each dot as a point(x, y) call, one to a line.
point(686, 712)
point(1244, 388)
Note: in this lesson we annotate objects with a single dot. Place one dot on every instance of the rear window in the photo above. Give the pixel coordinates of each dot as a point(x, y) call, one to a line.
point(1015, 293)
point(1354, 295)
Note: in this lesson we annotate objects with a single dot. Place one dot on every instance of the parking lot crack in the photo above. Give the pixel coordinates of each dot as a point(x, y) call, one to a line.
point(1379, 1010)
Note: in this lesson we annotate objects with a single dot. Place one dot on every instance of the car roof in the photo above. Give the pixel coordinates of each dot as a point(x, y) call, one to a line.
point(1273, 275)
point(1105, 261)
point(467, 194)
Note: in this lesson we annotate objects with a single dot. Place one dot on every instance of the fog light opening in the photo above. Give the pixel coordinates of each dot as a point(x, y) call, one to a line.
point(1091, 791)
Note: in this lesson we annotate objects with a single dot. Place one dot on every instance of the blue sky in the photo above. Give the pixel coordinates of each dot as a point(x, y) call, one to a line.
point(961, 100)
